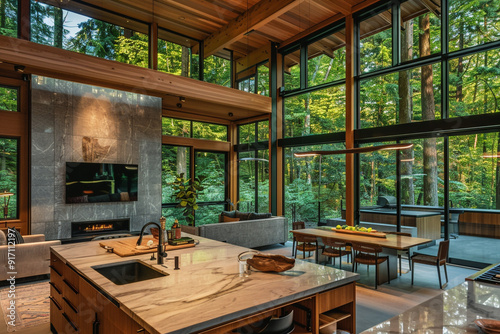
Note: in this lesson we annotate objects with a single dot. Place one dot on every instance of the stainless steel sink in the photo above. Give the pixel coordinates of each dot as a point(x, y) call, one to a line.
point(128, 272)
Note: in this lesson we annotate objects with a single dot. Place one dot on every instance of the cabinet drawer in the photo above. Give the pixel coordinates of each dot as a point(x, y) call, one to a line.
point(68, 326)
point(56, 264)
point(56, 317)
point(56, 279)
point(336, 297)
point(55, 294)
point(71, 311)
point(71, 278)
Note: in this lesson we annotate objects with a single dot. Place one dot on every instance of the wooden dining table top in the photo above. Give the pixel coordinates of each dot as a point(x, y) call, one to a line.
point(391, 241)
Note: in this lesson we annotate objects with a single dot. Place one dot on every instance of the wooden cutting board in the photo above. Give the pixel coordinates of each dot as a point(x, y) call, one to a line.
point(127, 246)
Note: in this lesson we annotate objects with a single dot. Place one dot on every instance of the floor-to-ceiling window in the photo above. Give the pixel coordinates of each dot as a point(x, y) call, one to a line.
point(253, 167)
point(184, 153)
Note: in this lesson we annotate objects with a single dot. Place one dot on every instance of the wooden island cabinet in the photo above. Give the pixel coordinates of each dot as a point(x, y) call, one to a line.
point(207, 295)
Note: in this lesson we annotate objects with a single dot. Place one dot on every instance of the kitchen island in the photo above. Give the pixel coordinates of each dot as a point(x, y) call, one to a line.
point(453, 311)
point(206, 295)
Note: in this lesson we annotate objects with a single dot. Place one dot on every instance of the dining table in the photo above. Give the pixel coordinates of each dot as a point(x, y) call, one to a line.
point(390, 244)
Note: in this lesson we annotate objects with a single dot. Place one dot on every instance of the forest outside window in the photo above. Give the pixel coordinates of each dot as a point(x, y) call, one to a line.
point(421, 35)
point(317, 112)
point(8, 18)
point(175, 58)
point(474, 84)
point(473, 23)
point(193, 129)
point(376, 42)
point(326, 59)
point(9, 167)
point(217, 70)
point(308, 197)
point(402, 97)
point(291, 69)
point(67, 30)
point(9, 98)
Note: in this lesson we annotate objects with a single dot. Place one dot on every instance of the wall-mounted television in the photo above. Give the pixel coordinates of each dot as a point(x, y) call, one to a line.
point(100, 182)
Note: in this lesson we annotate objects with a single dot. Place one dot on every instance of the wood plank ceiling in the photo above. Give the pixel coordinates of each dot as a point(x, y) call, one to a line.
point(244, 26)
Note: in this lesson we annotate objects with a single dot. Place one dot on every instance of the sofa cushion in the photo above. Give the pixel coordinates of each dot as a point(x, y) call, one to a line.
point(18, 237)
point(231, 214)
point(3, 239)
point(255, 215)
point(243, 215)
point(226, 219)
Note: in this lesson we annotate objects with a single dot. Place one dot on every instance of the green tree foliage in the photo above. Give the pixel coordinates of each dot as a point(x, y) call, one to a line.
point(8, 173)
point(217, 71)
point(8, 18)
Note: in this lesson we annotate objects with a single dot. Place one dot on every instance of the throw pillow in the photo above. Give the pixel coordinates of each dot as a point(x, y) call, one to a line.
point(226, 219)
point(242, 215)
point(3, 239)
point(255, 215)
point(223, 214)
point(18, 238)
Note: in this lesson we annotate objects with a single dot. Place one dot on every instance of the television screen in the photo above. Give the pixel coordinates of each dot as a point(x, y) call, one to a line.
point(98, 182)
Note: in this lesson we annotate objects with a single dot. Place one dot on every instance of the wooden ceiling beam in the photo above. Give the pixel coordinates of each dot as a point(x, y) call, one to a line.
point(431, 7)
point(253, 58)
point(260, 14)
point(68, 65)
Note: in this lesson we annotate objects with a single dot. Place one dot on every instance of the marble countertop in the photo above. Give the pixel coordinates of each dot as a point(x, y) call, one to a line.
point(207, 290)
point(453, 311)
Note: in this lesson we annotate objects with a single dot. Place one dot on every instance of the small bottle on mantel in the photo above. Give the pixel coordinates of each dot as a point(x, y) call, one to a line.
point(163, 222)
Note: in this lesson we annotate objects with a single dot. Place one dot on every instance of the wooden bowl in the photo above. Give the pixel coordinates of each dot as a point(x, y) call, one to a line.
point(489, 326)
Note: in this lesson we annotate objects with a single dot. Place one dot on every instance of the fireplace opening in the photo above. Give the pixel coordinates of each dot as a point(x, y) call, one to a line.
point(90, 229)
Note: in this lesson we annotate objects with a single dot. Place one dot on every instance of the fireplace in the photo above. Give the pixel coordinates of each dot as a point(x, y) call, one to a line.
point(90, 229)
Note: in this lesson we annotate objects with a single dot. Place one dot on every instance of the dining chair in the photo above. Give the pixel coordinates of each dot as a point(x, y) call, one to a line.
point(334, 248)
point(438, 261)
point(296, 226)
point(369, 255)
point(402, 252)
point(305, 244)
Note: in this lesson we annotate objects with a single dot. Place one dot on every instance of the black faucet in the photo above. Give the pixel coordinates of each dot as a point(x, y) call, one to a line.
point(161, 253)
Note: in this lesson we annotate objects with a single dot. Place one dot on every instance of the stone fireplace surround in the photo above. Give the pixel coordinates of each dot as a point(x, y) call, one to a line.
point(127, 124)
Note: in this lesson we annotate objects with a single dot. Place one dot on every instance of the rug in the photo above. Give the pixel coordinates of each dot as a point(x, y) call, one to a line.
point(32, 305)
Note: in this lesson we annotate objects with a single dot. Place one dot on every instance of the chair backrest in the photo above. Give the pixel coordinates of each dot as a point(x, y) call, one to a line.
point(370, 249)
point(305, 238)
point(333, 243)
point(404, 234)
point(298, 225)
point(444, 246)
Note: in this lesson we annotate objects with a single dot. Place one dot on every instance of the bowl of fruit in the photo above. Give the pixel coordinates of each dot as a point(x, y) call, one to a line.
point(358, 230)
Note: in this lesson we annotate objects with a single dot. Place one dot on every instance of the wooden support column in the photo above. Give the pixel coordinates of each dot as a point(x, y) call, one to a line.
point(350, 119)
point(153, 46)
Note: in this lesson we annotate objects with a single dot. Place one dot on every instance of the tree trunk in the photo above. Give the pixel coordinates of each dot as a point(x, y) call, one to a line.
point(185, 62)
point(181, 160)
point(58, 27)
point(406, 113)
point(428, 113)
point(460, 67)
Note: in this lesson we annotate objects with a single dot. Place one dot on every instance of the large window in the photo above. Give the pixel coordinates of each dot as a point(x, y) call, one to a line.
point(193, 129)
point(401, 97)
point(253, 167)
point(9, 98)
point(473, 23)
point(8, 18)
point(71, 31)
point(217, 70)
point(315, 186)
point(375, 46)
point(474, 84)
point(9, 167)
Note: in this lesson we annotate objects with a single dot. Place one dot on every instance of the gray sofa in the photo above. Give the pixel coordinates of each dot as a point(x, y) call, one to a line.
point(31, 257)
point(245, 233)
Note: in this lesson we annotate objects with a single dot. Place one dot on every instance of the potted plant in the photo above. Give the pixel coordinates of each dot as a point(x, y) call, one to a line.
point(186, 191)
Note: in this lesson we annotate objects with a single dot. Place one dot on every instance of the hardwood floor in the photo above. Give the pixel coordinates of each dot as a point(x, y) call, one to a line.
point(372, 306)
